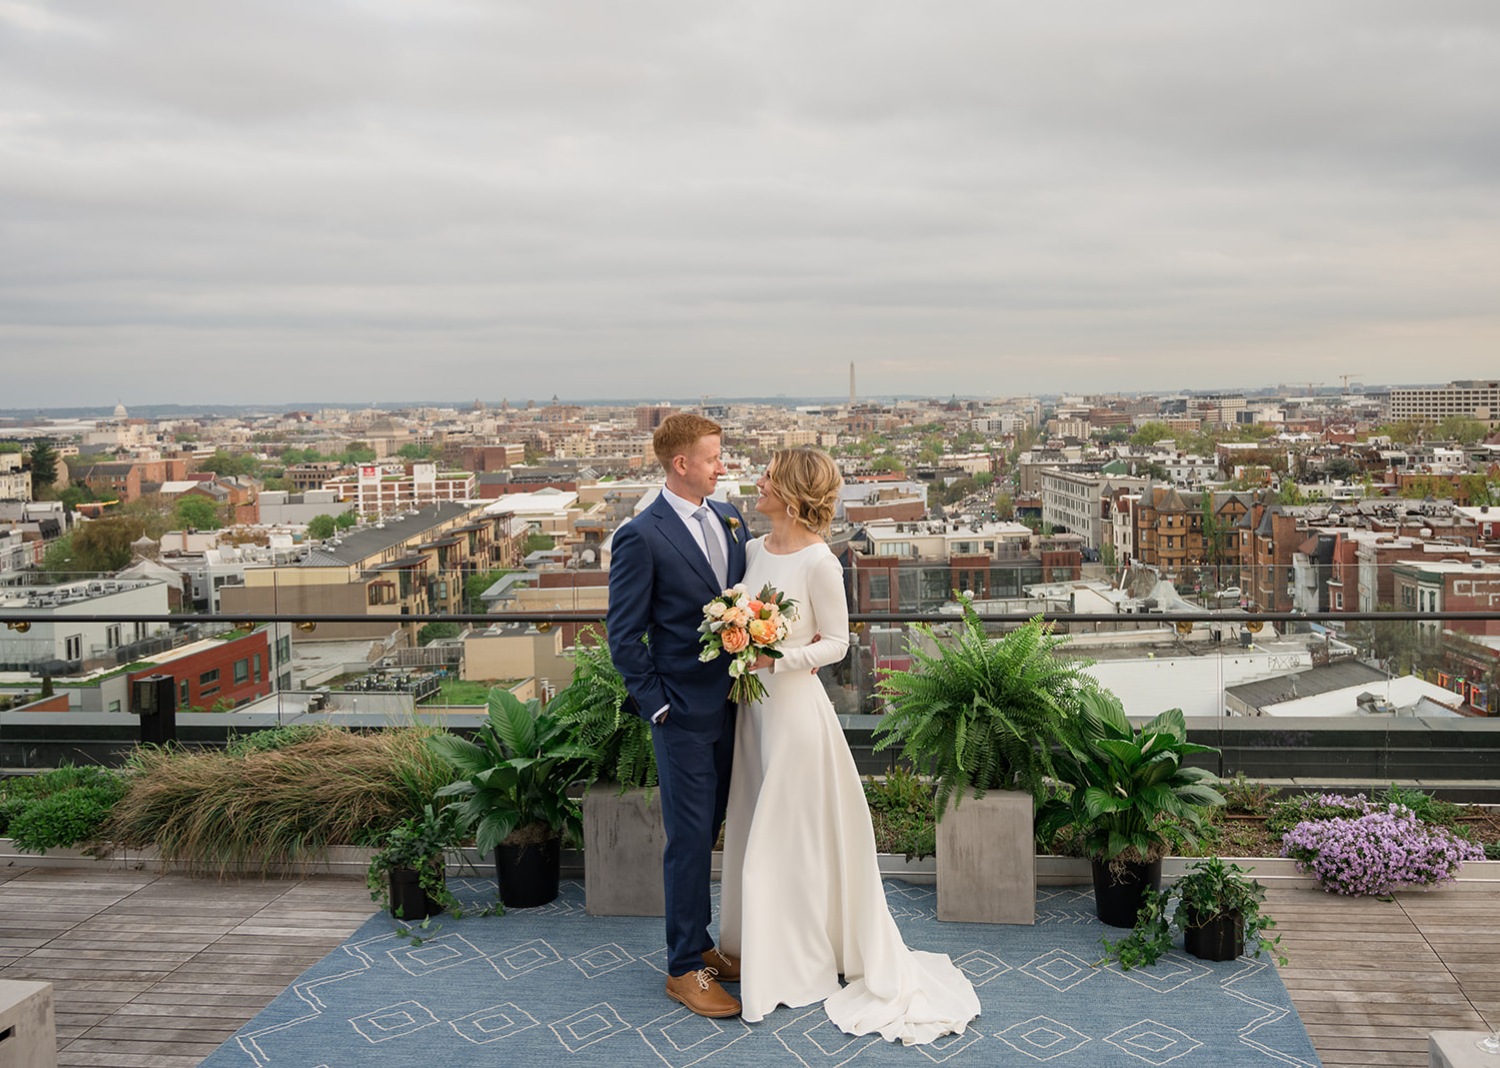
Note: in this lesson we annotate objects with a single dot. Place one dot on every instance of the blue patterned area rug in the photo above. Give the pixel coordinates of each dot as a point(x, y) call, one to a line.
point(554, 986)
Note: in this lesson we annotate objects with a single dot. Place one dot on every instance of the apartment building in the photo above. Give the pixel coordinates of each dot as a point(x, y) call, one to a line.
point(218, 674)
point(411, 563)
point(1076, 501)
point(1470, 399)
point(15, 481)
point(64, 643)
point(374, 492)
point(1168, 529)
point(123, 479)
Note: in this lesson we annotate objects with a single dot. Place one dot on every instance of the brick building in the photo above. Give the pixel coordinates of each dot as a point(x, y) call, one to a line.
point(218, 674)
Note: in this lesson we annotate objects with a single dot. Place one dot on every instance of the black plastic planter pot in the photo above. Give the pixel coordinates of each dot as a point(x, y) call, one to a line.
point(1118, 897)
point(409, 901)
point(528, 874)
point(1220, 938)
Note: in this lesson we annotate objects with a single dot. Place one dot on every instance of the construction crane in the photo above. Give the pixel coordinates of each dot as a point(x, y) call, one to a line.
point(1310, 386)
point(1346, 380)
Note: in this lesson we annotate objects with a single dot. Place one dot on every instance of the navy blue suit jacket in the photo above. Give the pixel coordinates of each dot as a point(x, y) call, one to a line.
point(659, 581)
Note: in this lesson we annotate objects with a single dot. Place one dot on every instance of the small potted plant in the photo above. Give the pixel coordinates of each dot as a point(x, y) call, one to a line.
point(513, 795)
point(407, 872)
point(1124, 784)
point(1218, 913)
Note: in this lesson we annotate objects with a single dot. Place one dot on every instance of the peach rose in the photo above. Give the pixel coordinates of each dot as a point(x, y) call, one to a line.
point(734, 639)
point(755, 607)
point(762, 631)
point(736, 617)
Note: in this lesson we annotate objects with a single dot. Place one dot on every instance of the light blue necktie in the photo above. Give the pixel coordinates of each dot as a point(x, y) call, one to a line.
point(711, 540)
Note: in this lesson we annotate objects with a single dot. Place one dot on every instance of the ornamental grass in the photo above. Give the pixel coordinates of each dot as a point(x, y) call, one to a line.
point(254, 809)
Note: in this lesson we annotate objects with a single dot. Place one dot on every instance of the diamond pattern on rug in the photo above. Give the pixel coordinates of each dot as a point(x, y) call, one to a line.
point(554, 986)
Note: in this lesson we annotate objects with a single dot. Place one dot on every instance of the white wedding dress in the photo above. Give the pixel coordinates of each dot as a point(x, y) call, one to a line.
point(802, 901)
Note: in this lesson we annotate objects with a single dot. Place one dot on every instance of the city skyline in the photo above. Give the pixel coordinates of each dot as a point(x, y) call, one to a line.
point(504, 201)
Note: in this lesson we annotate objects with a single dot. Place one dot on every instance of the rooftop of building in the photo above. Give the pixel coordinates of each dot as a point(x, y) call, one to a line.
point(70, 593)
point(361, 543)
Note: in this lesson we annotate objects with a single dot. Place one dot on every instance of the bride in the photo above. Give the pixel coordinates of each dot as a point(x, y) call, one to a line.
point(802, 901)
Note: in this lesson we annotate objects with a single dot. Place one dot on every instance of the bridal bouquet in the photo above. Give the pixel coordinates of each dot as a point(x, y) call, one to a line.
point(746, 627)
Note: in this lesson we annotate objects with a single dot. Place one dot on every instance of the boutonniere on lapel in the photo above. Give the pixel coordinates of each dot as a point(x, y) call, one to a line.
point(734, 526)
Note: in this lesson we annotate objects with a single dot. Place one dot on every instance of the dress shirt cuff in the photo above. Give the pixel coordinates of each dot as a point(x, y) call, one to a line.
point(660, 713)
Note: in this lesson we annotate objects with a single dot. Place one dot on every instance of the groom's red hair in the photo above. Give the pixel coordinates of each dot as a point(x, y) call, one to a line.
point(678, 433)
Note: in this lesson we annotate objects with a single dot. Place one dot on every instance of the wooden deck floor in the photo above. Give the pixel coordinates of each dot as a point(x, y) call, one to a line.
point(153, 971)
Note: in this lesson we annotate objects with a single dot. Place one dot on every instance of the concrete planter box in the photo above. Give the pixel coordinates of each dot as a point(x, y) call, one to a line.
point(28, 1026)
point(986, 860)
point(623, 840)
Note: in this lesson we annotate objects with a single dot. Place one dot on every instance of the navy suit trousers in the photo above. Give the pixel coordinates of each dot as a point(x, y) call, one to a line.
point(693, 773)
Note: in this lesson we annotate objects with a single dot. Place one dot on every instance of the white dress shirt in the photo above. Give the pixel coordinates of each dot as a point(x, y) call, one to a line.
point(685, 510)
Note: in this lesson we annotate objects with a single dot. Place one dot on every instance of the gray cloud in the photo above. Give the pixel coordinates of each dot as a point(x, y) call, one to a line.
point(598, 199)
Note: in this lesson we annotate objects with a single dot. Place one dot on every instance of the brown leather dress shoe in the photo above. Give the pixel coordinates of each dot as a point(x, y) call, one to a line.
point(727, 967)
point(701, 992)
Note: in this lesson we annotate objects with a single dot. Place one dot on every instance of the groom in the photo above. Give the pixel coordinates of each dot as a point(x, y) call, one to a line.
point(665, 565)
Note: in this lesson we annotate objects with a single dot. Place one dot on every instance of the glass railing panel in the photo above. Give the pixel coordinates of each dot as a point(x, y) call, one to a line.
point(1314, 695)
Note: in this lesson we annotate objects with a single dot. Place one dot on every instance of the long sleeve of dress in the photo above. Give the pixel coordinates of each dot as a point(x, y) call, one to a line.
point(830, 613)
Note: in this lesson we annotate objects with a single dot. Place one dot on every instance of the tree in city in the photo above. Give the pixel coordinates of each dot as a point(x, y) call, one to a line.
point(93, 548)
point(1462, 429)
point(1154, 470)
point(1480, 490)
point(43, 465)
point(1290, 493)
point(1214, 531)
point(475, 585)
point(1005, 506)
point(535, 543)
point(1251, 478)
point(228, 465)
point(1341, 468)
point(435, 631)
point(1149, 434)
point(153, 512)
point(887, 463)
point(347, 519)
point(413, 451)
point(1406, 432)
point(1397, 645)
point(1107, 555)
point(321, 526)
point(1435, 486)
point(197, 513)
point(76, 494)
point(984, 479)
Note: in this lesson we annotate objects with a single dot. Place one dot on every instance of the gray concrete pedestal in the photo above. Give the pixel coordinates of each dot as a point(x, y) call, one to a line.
point(986, 860)
point(28, 1031)
point(623, 839)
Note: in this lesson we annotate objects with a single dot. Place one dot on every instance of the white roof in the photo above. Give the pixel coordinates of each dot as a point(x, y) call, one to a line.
point(1408, 694)
point(539, 502)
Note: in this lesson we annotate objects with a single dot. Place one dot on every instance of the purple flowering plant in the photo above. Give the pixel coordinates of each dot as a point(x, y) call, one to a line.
point(1375, 849)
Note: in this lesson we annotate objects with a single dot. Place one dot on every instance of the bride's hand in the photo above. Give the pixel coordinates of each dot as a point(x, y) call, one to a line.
point(761, 661)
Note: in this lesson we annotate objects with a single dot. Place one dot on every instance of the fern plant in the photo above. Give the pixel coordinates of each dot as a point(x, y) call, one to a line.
point(593, 705)
point(983, 714)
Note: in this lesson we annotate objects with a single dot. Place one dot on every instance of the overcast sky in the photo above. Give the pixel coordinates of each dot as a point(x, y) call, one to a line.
point(293, 200)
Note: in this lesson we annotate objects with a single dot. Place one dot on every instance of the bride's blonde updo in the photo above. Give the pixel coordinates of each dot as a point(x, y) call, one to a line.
point(808, 481)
